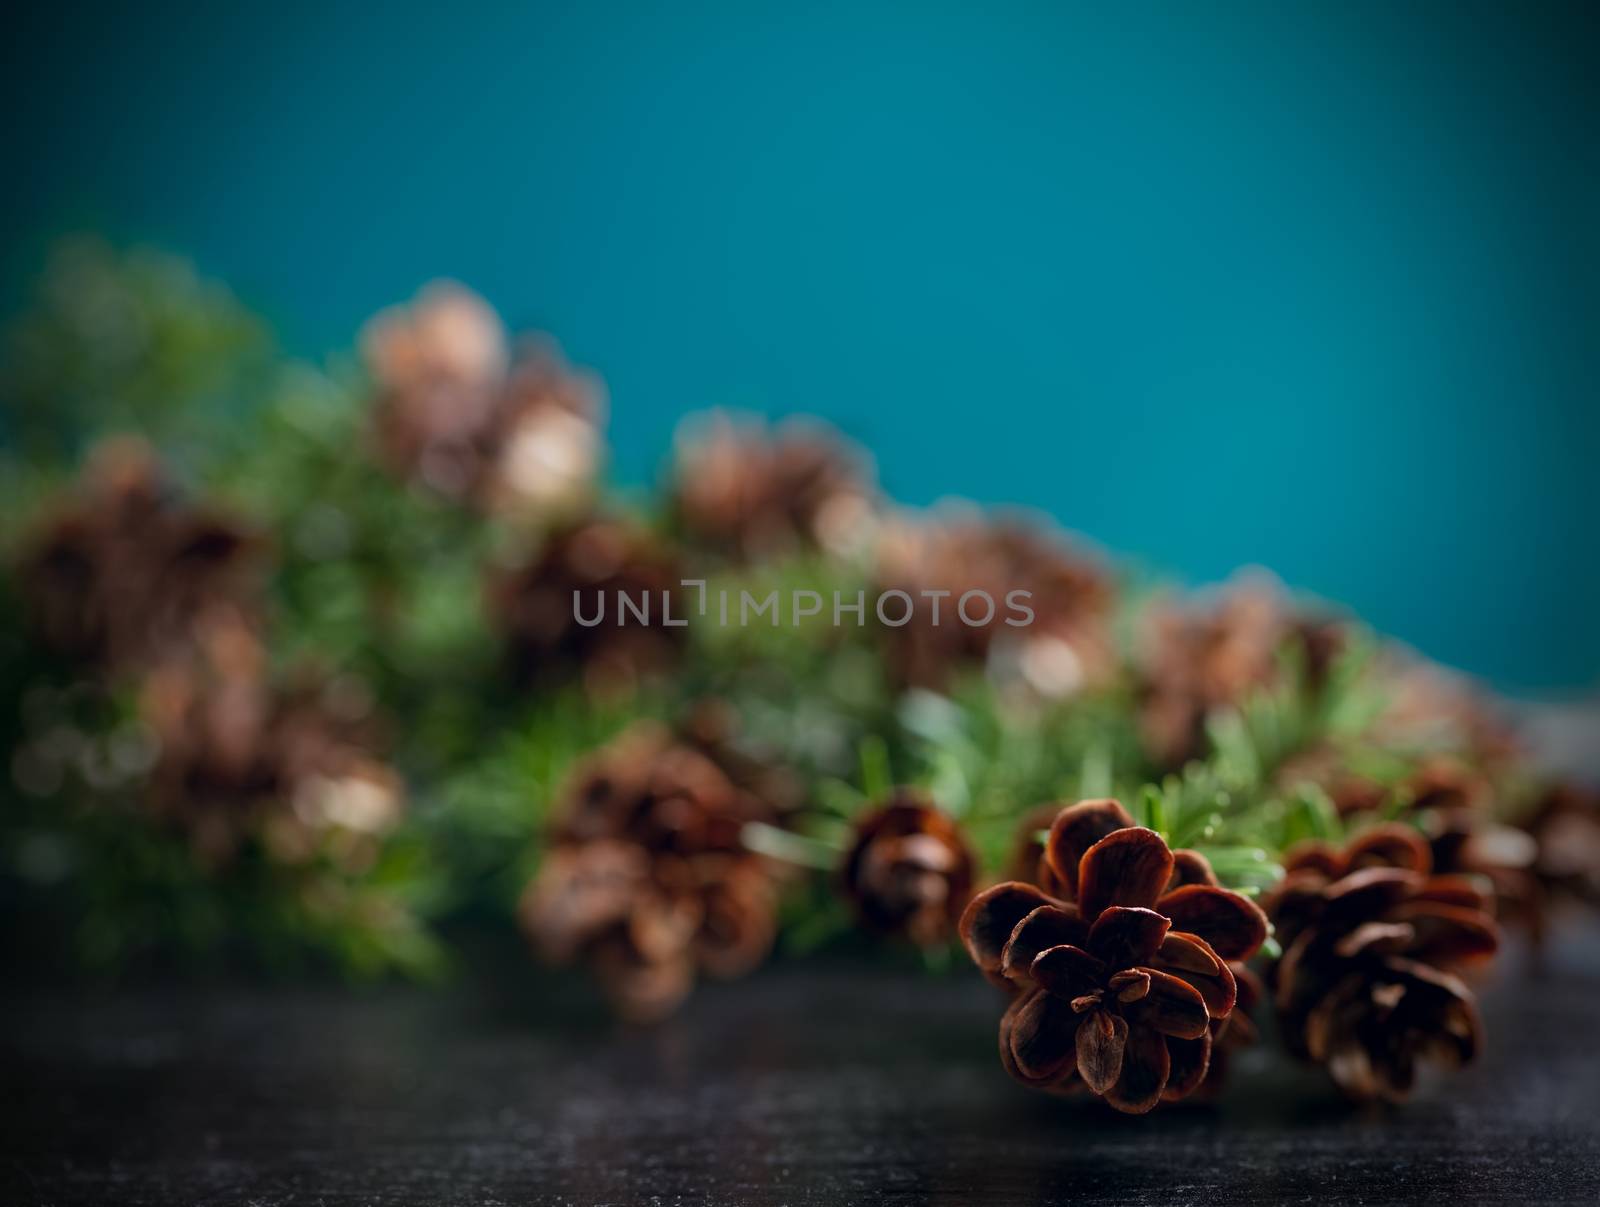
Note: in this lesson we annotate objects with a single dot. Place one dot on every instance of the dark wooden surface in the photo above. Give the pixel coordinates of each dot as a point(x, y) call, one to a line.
point(810, 1083)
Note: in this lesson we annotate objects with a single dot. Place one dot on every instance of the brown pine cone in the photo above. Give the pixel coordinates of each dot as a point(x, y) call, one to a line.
point(648, 787)
point(1067, 645)
point(1352, 793)
point(1326, 767)
point(1441, 783)
point(1432, 707)
point(1117, 984)
point(578, 572)
point(1453, 804)
point(240, 759)
point(543, 446)
point(1031, 864)
point(438, 365)
point(908, 871)
point(647, 882)
point(344, 797)
point(126, 575)
point(750, 493)
point(711, 727)
point(1370, 940)
point(456, 413)
point(645, 926)
point(1565, 825)
point(1195, 660)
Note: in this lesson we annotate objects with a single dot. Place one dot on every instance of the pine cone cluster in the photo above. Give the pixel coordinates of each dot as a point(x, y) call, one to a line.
point(1122, 981)
point(132, 584)
point(579, 572)
point(127, 575)
point(749, 493)
point(1126, 961)
point(1371, 943)
point(647, 882)
point(457, 412)
point(1197, 659)
point(1064, 647)
point(908, 871)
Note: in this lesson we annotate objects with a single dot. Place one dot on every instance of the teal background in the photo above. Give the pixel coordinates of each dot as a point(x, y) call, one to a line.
point(1312, 286)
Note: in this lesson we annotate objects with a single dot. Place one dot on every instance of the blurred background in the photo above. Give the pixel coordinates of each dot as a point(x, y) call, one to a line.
point(351, 360)
point(1306, 286)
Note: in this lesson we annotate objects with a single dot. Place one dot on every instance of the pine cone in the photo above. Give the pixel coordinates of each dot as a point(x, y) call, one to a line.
point(579, 571)
point(645, 926)
point(1565, 825)
point(544, 447)
point(1327, 766)
point(241, 759)
point(647, 882)
point(127, 576)
point(438, 365)
point(711, 726)
point(1370, 938)
point(751, 494)
point(648, 787)
point(1064, 648)
point(1118, 984)
point(1453, 804)
point(1196, 660)
point(1435, 708)
point(454, 411)
point(908, 871)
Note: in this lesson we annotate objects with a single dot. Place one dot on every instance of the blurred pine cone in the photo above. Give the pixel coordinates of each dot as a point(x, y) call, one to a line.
point(579, 570)
point(649, 787)
point(126, 575)
point(645, 926)
point(1327, 767)
point(908, 870)
point(1118, 983)
point(748, 493)
point(454, 411)
point(1370, 940)
point(1065, 647)
point(239, 759)
point(1455, 806)
point(1199, 658)
point(545, 447)
point(646, 881)
point(1565, 826)
point(1430, 707)
point(711, 726)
